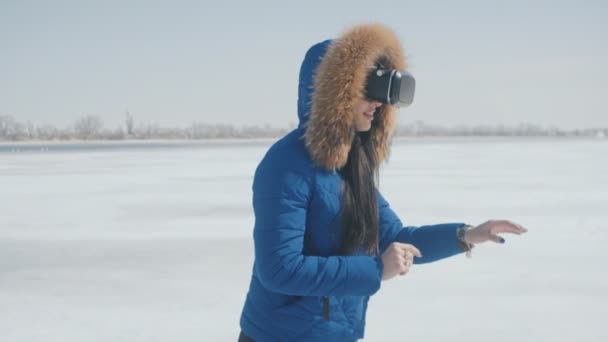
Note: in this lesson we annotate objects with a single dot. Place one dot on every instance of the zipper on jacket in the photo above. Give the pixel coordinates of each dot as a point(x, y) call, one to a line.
point(326, 308)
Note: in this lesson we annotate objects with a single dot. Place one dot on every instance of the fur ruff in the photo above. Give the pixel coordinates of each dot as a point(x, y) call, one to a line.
point(338, 83)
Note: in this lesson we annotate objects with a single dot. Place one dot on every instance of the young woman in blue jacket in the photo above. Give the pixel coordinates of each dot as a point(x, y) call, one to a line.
point(324, 236)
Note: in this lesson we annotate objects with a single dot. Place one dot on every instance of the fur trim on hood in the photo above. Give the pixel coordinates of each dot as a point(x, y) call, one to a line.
point(339, 82)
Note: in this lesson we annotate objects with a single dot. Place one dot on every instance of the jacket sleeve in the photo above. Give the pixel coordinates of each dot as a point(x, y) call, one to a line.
point(435, 242)
point(280, 203)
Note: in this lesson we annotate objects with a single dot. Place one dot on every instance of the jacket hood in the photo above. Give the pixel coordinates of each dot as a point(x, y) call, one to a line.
point(332, 80)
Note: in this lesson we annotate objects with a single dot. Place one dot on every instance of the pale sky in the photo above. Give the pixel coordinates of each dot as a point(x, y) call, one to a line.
point(178, 62)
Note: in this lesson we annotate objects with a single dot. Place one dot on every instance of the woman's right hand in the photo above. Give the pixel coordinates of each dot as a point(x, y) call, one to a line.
point(398, 258)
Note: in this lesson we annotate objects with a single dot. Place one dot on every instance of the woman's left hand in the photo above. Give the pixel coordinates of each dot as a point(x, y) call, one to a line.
point(487, 231)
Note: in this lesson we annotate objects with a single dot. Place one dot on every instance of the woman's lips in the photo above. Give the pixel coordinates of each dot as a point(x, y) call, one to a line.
point(369, 115)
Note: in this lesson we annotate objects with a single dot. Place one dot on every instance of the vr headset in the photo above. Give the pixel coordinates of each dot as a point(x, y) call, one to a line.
point(390, 86)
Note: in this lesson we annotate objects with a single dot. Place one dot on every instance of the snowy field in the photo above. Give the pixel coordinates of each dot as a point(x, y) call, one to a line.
point(140, 242)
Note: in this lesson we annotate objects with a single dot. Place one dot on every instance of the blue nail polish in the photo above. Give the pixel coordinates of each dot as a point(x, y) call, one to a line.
point(502, 240)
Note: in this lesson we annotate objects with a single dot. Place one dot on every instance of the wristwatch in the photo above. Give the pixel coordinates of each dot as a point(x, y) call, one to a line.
point(466, 246)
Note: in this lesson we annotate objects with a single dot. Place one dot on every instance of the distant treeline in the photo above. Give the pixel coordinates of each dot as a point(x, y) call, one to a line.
point(92, 128)
point(419, 128)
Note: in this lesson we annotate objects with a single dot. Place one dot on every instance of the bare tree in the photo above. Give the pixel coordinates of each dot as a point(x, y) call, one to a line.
point(88, 127)
point(129, 123)
point(10, 129)
point(30, 130)
point(47, 132)
point(5, 123)
point(116, 134)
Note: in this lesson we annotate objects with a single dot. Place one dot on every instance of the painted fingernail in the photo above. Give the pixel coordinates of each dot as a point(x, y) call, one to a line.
point(502, 240)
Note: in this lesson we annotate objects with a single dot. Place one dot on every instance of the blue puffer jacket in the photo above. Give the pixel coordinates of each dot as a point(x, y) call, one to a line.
point(300, 289)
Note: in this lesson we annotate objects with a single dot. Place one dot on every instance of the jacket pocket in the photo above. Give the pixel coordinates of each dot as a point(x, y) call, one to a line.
point(298, 316)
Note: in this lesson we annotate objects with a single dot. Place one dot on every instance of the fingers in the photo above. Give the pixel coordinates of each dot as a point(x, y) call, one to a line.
point(406, 260)
point(414, 250)
point(406, 247)
point(521, 228)
point(397, 259)
point(406, 263)
point(505, 226)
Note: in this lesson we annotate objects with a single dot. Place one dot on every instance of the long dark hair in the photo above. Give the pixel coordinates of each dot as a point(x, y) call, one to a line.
point(359, 208)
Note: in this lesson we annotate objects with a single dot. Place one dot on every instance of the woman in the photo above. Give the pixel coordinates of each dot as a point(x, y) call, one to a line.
point(324, 236)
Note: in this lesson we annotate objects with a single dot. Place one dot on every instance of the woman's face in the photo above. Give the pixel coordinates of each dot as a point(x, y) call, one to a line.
point(364, 114)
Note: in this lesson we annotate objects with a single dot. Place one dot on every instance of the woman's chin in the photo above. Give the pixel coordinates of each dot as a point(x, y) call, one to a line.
point(364, 128)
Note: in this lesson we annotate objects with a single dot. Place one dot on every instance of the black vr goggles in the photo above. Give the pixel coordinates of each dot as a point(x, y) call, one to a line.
point(389, 86)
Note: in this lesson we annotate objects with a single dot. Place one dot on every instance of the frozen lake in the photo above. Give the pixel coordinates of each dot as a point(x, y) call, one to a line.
point(152, 242)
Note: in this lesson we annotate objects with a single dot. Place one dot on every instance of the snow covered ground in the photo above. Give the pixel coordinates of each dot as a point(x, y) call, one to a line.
point(153, 243)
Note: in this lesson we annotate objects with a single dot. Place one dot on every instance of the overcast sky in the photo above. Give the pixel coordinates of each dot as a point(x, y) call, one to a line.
point(178, 62)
